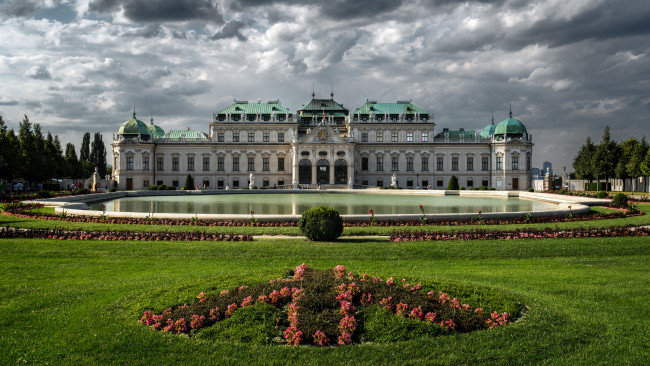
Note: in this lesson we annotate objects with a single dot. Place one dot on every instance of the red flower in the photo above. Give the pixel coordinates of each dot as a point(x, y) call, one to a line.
point(371, 212)
point(252, 212)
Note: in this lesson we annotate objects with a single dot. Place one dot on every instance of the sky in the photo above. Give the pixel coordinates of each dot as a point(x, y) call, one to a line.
point(568, 68)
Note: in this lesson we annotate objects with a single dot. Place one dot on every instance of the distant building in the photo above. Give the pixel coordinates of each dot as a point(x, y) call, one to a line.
point(547, 167)
point(323, 144)
point(536, 173)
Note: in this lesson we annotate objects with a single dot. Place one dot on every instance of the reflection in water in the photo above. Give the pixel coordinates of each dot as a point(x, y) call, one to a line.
point(297, 203)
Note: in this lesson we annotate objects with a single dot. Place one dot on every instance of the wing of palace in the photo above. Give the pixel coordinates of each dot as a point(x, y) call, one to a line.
point(265, 145)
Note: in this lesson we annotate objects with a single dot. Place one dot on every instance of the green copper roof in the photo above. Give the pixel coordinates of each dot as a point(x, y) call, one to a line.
point(134, 127)
point(510, 126)
point(488, 131)
point(389, 108)
point(191, 135)
point(455, 135)
point(155, 131)
point(327, 105)
point(272, 107)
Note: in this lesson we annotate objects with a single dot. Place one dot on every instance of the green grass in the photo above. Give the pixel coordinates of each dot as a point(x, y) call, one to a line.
point(374, 230)
point(79, 302)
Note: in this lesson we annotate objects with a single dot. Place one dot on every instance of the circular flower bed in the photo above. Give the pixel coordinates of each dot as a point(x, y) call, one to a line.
point(325, 307)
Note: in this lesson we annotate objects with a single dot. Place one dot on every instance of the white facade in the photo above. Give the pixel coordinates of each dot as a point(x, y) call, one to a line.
point(279, 149)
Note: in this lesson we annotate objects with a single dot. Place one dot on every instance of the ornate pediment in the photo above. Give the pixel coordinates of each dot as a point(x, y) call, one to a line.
point(322, 134)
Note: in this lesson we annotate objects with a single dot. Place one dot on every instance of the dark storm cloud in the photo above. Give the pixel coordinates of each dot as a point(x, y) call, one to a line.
point(9, 102)
point(17, 8)
point(231, 29)
point(161, 10)
point(149, 31)
point(335, 9)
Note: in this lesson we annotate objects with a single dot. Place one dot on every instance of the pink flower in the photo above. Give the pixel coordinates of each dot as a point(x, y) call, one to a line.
point(390, 282)
point(430, 317)
point(231, 309)
point(401, 309)
point(224, 292)
point(339, 271)
point(320, 339)
point(197, 321)
point(248, 301)
point(416, 314)
point(201, 297)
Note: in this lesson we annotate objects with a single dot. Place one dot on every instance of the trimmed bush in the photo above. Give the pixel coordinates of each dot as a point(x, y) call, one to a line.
point(189, 183)
point(482, 188)
point(620, 200)
point(321, 224)
point(462, 188)
point(80, 191)
point(44, 194)
point(601, 194)
point(171, 188)
point(113, 189)
point(153, 188)
point(453, 184)
point(531, 190)
point(161, 187)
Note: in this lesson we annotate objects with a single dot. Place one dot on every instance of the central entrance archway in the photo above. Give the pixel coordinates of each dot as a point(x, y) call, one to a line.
point(304, 171)
point(340, 172)
point(323, 172)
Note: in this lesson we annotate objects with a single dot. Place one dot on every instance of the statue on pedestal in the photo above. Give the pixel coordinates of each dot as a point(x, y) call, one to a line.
point(251, 182)
point(393, 181)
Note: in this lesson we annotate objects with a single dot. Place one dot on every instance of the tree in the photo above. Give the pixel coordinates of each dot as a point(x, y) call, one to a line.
point(635, 164)
point(453, 183)
point(84, 152)
point(98, 155)
point(189, 183)
point(606, 157)
point(72, 164)
point(627, 151)
point(583, 162)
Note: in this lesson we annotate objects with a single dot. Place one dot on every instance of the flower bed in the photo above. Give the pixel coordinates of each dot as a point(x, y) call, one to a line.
point(19, 209)
point(326, 307)
point(478, 234)
point(8, 232)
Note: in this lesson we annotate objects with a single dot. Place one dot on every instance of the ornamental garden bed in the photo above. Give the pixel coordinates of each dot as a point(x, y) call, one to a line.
point(328, 307)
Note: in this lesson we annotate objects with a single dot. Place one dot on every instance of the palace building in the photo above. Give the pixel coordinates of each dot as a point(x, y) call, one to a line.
point(265, 145)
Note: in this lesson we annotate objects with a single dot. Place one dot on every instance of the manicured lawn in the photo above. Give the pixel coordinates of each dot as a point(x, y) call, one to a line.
point(79, 302)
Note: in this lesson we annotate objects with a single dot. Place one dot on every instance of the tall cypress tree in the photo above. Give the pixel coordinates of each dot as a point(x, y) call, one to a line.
point(98, 154)
point(84, 152)
point(73, 167)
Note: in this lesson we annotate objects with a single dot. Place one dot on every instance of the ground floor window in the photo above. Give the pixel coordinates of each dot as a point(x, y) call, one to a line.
point(206, 183)
point(280, 182)
point(425, 183)
point(470, 183)
point(174, 183)
point(364, 182)
point(380, 183)
point(159, 182)
point(220, 184)
point(439, 183)
point(145, 183)
point(265, 183)
point(235, 183)
point(485, 183)
point(409, 183)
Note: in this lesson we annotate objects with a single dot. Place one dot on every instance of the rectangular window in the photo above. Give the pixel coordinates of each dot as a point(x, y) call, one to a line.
point(280, 136)
point(380, 183)
point(206, 164)
point(485, 163)
point(235, 164)
point(528, 162)
point(251, 137)
point(470, 163)
point(265, 137)
point(265, 164)
point(439, 183)
point(251, 164)
point(129, 163)
point(235, 184)
point(454, 163)
point(515, 163)
point(175, 163)
point(145, 163)
point(235, 137)
point(425, 137)
point(409, 164)
point(220, 164)
point(425, 164)
point(280, 164)
point(190, 163)
point(409, 183)
point(485, 183)
point(393, 136)
point(364, 137)
point(394, 163)
point(220, 137)
point(439, 163)
point(145, 183)
point(160, 163)
point(409, 137)
point(470, 183)
point(265, 183)
point(499, 163)
point(364, 163)
point(380, 136)
point(175, 183)
point(380, 164)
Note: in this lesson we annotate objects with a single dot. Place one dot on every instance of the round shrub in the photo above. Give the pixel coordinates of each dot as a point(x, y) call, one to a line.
point(113, 189)
point(162, 187)
point(601, 194)
point(321, 224)
point(153, 188)
point(620, 200)
point(44, 194)
point(531, 190)
point(171, 188)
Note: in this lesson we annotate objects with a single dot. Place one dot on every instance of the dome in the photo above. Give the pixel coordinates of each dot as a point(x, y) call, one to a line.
point(134, 127)
point(510, 126)
point(155, 131)
point(488, 131)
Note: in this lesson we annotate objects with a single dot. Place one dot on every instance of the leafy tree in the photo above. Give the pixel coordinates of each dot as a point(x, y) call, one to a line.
point(583, 162)
point(4, 151)
point(635, 165)
point(72, 165)
point(627, 150)
point(606, 157)
point(84, 153)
